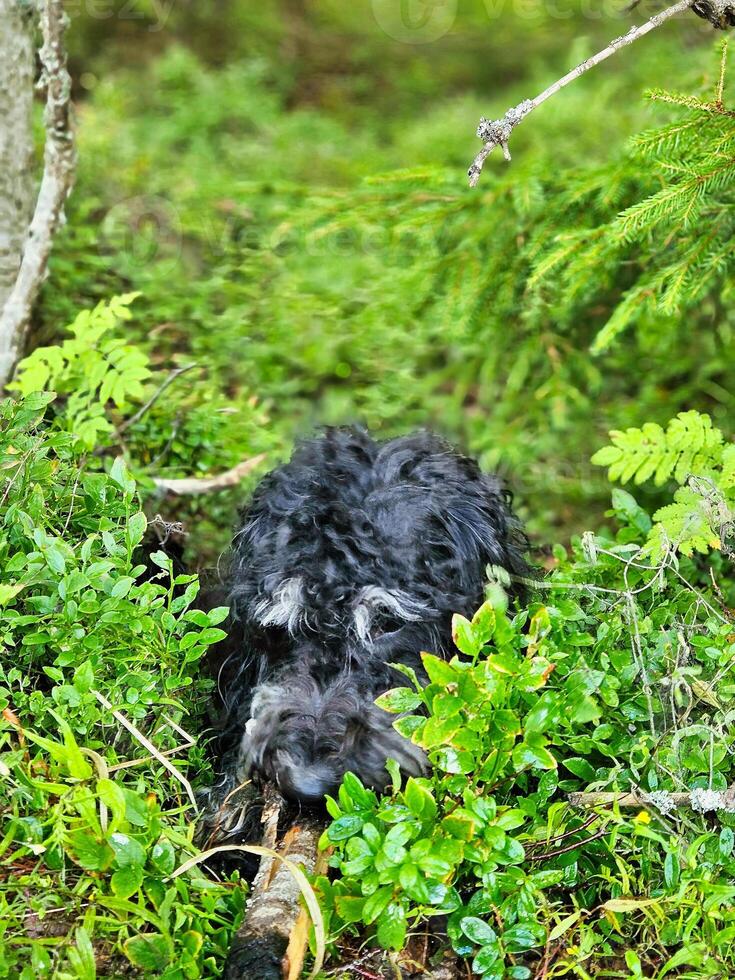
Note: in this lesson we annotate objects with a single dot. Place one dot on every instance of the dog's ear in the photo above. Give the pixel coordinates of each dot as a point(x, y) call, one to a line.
point(479, 520)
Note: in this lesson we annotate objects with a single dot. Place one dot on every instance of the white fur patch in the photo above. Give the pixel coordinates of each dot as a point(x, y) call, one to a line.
point(285, 607)
point(373, 599)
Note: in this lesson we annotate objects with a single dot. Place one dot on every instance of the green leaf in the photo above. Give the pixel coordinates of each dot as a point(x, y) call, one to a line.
point(55, 559)
point(344, 827)
point(409, 725)
point(564, 926)
point(126, 881)
point(218, 615)
point(487, 962)
point(150, 952)
point(392, 927)
point(438, 670)
point(376, 904)
point(119, 475)
point(136, 529)
point(523, 936)
point(163, 857)
point(90, 852)
point(362, 798)
point(483, 623)
point(477, 930)
point(582, 768)
point(398, 700)
point(81, 955)
point(84, 677)
point(8, 592)
point(113, 797)
point(535, 756)
point(128, 852)
point(545, 713)
point(463, 635)
point(437, 731)
point(629, 904)
point(71, 754)
point(419, 798)
point(350, 908)
point(672, 869)
point(460, 825)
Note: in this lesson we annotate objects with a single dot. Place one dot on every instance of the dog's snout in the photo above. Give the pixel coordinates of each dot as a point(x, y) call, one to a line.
point(306, 784)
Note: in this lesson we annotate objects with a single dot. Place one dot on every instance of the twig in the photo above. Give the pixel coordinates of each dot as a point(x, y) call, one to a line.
point(56, 184)
point(569, 847)
point(720, 90)
point(187, 744)
point(176, 373)
point(567, 833)
point(497, 132)
point(132, 763)
point(194, 485)
point(146, 743)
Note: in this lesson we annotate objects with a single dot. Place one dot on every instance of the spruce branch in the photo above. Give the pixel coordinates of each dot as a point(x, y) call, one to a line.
point(497, 132)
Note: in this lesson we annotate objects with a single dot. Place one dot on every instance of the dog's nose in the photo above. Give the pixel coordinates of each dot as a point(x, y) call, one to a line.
point(307, 783)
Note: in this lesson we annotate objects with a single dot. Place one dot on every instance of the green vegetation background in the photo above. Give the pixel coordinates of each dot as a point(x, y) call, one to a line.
point(277, 196)
point(228, 163)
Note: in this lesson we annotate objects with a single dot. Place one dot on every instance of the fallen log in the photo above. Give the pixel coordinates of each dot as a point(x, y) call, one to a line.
point(271, 942)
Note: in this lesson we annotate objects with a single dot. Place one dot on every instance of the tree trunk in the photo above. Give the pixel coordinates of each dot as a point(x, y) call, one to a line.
point(59, 158)
point(17, 72)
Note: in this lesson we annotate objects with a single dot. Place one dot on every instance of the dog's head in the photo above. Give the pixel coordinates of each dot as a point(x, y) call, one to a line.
point(305, 737)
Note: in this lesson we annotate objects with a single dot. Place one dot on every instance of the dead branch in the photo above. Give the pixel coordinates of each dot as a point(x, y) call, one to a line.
point(173, 375)
point(271, 943)
point(56, 184)
point(548, 855)
point(496, 132)
point(698, 800)
point(149, 746)
point(625, 801)
point(208, 484)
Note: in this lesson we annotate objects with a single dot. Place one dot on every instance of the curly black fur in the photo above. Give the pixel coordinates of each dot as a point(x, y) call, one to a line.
point(351, 557)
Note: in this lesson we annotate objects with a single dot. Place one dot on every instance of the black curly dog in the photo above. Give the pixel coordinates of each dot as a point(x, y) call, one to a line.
point(351, 557)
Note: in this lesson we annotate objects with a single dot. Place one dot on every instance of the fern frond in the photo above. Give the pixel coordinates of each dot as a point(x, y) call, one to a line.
point(684, 524)
point(727, 480)
point(689, 445)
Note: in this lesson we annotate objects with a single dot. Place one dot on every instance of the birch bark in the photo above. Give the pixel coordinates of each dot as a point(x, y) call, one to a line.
point(30, 263)
point(16, 137)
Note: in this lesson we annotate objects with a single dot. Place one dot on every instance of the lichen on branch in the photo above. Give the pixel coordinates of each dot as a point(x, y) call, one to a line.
point(497, 132)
